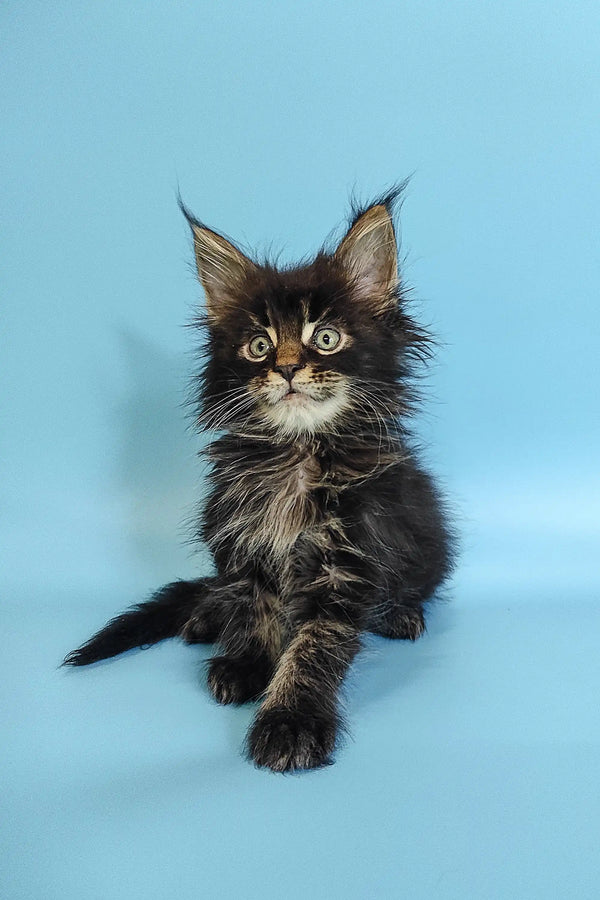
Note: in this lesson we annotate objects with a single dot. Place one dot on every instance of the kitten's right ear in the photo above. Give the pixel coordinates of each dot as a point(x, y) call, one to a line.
point(222, 268)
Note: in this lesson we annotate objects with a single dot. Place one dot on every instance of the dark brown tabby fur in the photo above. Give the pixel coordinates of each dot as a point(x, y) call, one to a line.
point(321, 521)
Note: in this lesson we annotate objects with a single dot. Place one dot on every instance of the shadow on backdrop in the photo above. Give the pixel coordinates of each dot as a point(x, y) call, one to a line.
point(157, 471)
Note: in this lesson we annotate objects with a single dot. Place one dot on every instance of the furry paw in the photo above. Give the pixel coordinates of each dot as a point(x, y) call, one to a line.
point(403, 623)
point(199, 629)
point(237, 679)
point(286, 740)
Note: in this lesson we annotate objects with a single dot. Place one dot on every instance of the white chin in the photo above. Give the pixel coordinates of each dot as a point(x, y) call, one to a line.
point(299, 414)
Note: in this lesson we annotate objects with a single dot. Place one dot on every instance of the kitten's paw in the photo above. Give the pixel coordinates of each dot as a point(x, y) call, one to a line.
point(286, 740)
point(403, 623)
point(199, 629)
point(237, 679)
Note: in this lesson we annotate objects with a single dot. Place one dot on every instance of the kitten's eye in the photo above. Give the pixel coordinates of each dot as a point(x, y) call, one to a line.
point(259, 347)
point(327, 339)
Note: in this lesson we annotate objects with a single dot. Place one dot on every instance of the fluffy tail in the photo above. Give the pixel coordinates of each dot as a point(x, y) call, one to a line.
point(163, 616)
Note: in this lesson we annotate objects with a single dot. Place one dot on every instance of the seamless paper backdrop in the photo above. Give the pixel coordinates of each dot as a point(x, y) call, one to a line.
point(473, 768)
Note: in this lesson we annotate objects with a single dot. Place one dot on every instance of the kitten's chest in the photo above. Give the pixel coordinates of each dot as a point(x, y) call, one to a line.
point(270, 503)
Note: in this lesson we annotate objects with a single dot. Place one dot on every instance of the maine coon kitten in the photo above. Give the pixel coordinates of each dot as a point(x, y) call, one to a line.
point(321, 521)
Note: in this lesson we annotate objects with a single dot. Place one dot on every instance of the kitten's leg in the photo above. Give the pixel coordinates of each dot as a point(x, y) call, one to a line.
point(205, 619)
point(251, 640)
point(298, 721)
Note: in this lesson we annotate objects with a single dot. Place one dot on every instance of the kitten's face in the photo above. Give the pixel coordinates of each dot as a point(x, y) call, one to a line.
point(308, 350)
point(295, 381)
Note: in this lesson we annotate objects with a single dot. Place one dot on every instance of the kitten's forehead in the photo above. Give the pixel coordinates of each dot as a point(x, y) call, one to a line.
point(287, 313)
point(281, 325)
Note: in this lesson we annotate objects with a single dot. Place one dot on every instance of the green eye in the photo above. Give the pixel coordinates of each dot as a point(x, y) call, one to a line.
point(327, 338)
point(259, 347)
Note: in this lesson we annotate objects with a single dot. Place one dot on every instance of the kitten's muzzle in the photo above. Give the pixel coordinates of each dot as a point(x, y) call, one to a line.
point(288, 371)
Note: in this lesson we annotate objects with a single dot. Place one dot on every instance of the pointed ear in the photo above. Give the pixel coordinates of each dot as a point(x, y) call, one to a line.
point(222, 268)
point(369, 255)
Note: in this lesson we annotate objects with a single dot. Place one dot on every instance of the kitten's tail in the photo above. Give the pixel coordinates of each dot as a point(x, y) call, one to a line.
point(163, 616)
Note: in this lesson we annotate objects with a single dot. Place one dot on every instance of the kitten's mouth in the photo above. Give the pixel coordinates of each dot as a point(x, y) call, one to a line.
point(293, 396)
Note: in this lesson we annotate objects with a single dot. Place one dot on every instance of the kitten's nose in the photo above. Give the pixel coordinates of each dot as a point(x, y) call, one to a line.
point(289, 371)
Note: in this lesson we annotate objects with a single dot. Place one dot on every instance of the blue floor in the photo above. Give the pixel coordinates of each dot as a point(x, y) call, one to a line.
point(472, 768)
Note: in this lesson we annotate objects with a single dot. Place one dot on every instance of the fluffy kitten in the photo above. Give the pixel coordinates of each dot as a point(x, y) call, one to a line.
point(321, 521)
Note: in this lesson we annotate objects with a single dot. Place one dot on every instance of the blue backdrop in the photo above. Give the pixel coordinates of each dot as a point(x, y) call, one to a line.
point(473, 768)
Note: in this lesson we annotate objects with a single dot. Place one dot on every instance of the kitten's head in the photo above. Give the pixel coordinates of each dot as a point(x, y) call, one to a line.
point(319, 348)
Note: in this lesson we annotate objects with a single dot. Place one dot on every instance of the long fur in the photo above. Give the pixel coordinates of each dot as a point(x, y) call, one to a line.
point(322, 522)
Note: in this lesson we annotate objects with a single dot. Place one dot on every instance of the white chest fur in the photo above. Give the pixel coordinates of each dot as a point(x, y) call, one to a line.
point(269, 504)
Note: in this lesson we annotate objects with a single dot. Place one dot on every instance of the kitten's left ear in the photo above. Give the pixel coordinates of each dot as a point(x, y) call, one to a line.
point(369, 255)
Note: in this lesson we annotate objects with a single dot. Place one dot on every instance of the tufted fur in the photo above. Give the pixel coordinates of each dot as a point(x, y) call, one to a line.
point(321, 521)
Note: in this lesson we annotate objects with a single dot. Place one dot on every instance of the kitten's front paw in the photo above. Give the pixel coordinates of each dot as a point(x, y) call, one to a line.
point(286, 740)
point(237, 679)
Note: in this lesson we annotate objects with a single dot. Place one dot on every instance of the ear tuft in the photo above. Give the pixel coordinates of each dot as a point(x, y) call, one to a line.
point(222, 268)
point(369, 255)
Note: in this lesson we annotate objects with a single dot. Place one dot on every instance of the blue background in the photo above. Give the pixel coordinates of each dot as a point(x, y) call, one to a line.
point(473, 767)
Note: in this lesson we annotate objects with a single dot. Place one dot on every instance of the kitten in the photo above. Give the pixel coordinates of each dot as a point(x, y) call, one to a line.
point(321, 521)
